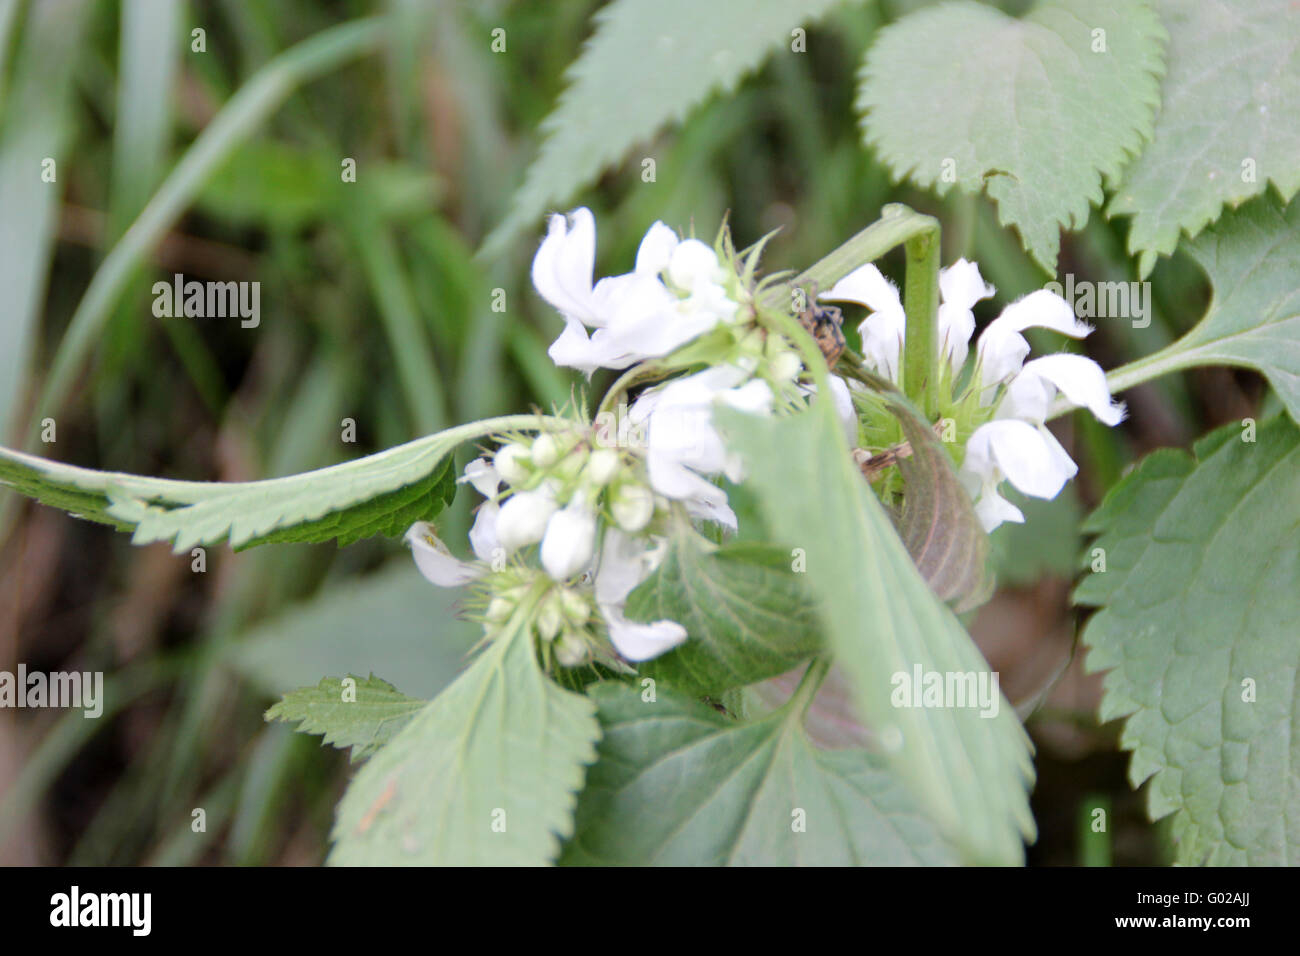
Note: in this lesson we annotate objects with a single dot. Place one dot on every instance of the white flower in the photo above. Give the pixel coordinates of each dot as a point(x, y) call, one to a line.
point(882, 331)
point(523, 518)
point(509, 463)
point(635, 316)
point(682, 444)
point(486, 480)
point(633, 505)
point(1002, 349)
point(569, 542)
point(624, 563)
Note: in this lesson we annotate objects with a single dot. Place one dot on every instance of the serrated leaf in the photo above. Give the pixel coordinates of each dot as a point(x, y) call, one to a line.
point(677, 784)
point(486, 774)
point(1232, 94)
point(648, 63)
point(1029, 109)
point(1252, 259)
point(938, 523)
point(379, 494)
point(1198, 598)
point(882, 619)
point(747, 615)
point(364, 716)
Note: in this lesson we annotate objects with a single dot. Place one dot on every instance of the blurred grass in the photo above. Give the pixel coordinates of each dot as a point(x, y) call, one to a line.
point(225, 165)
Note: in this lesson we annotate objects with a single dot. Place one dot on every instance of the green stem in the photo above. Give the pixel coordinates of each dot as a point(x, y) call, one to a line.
point(809, 684)
point(254, 102)
point(921, 303)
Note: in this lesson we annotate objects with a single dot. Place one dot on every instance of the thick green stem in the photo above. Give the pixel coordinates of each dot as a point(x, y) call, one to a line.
point(921, 303)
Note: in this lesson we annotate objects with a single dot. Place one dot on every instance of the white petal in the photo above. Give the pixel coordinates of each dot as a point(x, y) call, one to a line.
point(656, 249)
point(844, 408)
point(436, 563)
point(992, 509)
point(562, 268)
point(692, 263)
point(483, 535)
point(1028, 456)
point(641, 642)
point(524, 517)
point(1002, 348)
point(483, 476)
point(569, 542)
point(625, 562)
point(866, 285)
point(960, 286)
point(1079, 378)
point(573, 349)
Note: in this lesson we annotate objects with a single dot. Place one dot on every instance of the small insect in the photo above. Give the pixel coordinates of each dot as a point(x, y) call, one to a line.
point(825, 323)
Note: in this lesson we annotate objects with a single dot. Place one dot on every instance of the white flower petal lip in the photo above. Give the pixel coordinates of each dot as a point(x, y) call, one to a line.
point(524, 516)
point(1026, 455)
point(1078, 378)
point(865, 285)
point(436, 563)
point(960, 287)
point(573, 349)
point(641, 642)
point(1002, 349)
point(562, 268)
point(992, 509)
point(693, 264)
point(569, 542)
point(485, 479)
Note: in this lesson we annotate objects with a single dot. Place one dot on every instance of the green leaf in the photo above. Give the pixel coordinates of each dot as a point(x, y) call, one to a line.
point(677, 784)
point(747, 614)
point(938, 524)
point(882, 620)
point(379, 494)
point(648, 63)
point(962, 93)
point(1232, 94)
point(391, 621)
point(1047, 544)
point(364, 716)
point(1252, 258)
point(486, 774)
point(1198, 630)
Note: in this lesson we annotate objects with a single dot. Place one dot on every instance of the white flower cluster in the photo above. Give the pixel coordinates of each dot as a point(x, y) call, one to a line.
point(1008, 398)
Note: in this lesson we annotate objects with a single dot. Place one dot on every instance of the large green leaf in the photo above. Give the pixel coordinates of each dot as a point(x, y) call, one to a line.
point(1031, 109)
point(748, 615)
point(1252, 258)
point(677, 784)
point(379, 494)
point(648, 63)
point(486, 774)
point(1229, 121)
point(391, 622)
point(969, 771)
point(363, 716)
point(1198, 630)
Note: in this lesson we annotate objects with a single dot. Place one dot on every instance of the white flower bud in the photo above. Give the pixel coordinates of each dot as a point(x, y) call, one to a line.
point(570, 650)
point(524, 517)
point(570, 541)
point(785, 367)
point(576, 607)
point(545, 451)
point(602, 466)
point(499, 610)
point(512, 463)
point(549, 619)
point(693, 263)
point(633, 506)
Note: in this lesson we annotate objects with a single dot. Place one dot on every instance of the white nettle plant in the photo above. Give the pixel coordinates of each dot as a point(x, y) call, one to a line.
point(595, 514)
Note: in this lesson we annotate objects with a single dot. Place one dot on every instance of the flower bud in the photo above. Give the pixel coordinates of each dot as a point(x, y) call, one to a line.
point(549, 619)
point(602, 466)
point(512, 463)
point(545, 451)
point(785, 367)
point(524, 517)
point(633, 506)
point(570, 541)
point(499, 610)
point(576, 607)
point(570, 650)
